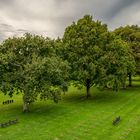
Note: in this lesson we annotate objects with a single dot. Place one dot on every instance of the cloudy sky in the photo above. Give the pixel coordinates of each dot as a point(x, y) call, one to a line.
point(50, 17)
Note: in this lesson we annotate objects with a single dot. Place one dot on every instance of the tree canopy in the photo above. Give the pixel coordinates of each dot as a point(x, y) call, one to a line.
point(131, 34)
point(88, 55)
point(95, 55)
point(29, 65)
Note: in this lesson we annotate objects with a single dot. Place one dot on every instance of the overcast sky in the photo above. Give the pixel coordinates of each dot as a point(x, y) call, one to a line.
point(50, 17)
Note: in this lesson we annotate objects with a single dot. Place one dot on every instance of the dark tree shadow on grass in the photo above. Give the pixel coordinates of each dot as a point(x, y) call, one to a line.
point(106, 95)
point(75, 98)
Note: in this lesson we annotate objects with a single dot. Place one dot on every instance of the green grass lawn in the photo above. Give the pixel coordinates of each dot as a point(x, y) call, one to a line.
point(75, 117)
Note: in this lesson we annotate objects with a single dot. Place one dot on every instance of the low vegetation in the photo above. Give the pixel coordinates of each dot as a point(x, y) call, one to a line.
point(75, 117)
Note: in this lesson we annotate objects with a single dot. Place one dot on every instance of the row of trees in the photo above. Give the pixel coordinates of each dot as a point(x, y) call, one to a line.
point(88, 54)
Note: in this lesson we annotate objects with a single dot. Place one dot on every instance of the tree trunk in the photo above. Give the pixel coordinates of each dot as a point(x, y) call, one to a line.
point(124, 85)
point(130, 79)
point(25, 101)
point(25, 107)
point(88, 88)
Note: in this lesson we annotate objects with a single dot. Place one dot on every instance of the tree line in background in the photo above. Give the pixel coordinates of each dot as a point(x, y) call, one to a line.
point(87, 55)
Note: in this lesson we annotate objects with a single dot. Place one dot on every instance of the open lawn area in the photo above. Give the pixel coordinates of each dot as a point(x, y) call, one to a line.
point(75, 117)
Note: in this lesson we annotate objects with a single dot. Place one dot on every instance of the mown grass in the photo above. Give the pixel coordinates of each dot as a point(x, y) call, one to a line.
point(75, 117)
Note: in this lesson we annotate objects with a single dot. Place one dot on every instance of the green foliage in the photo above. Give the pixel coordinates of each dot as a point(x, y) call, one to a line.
point(30, 65)
point(131, 34)
point(115, 64)
point(82, 47)
point(88, 54)
point(95, 55)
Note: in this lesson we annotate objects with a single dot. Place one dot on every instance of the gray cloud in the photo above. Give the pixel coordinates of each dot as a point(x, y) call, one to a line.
point(119, 6)
point(50, 17)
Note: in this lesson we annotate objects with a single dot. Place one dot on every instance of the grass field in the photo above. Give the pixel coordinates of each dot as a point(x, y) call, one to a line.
point(76, 118)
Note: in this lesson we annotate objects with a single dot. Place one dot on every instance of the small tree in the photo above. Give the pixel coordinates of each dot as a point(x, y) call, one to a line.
point(30, 66)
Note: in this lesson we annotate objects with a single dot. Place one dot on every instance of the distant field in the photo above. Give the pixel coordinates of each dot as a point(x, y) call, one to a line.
point(76, 118)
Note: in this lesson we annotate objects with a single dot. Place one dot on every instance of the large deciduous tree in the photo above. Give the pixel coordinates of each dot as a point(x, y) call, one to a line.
point(30, 66)
point(95, 55)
